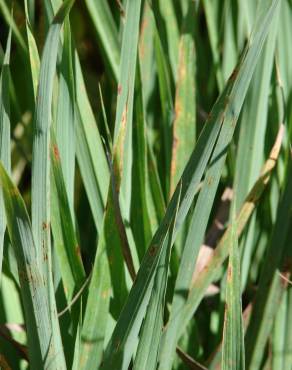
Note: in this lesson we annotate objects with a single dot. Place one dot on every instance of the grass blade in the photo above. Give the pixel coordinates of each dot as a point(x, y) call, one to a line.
point(8, 16)
point(41, 173)
point(107, 33)
point(147, 353)
point(118, 353)
point(110, 236)
point(141, 198)
point(65, 120)
point(33, 51)
point(184, 125)
point(132, 277)
point(288, 332)
point(166, 101)
point(212, 267)
point(146, 54)
point(166, 22)
point(96, 312)
point(40, 165)
point(234, 101)
point(269, 292)
point(212, 11)
point(278, 335)
point(33, 286)
point(90, 154)
point(124, 113)
point(4, 135)
point(227, 109)
point(251, 145)
point(62, 225)
point(233, 337)
point(73, 258)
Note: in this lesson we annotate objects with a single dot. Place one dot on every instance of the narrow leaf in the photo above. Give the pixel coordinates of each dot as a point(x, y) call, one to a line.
point(233, 337)
point(4, 136)
point(33, 286)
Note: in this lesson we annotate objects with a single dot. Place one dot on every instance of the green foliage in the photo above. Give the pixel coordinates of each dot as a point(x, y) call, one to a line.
point(126, 129)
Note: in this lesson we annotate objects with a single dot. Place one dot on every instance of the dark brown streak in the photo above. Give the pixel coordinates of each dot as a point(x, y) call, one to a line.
point(119, 221)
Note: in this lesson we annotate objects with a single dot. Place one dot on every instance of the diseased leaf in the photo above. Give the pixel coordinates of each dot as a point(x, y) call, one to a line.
point(4, 136)
point(233, 96)
point(33, 285)
point(233, 337)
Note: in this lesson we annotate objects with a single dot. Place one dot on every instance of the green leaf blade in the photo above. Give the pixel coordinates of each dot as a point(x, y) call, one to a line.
point(4, 135)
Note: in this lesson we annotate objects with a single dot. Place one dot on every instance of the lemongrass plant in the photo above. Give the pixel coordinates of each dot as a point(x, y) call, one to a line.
point(146, 184)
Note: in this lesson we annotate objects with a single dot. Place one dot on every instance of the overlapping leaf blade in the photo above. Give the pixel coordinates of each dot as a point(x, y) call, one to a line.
point(41, 174)
point(4, 136)
point(42, 352)
point(107, 33)
point(234, 100)
point(233, 338)
point(184, 125)
point(148, 349)
point(270, 285)
point(122, 180)
point(212, 267)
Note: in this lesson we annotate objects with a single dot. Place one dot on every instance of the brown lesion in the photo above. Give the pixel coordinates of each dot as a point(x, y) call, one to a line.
point(226, 101)
point(45, 252)
point(45, 225)
point(234, 74)
point(22, 275)
point(209, 117)
point(56, 152)
point(229, 273)
point(210, 180)
point(152, 250)
point(78, 251)
point(144, 26)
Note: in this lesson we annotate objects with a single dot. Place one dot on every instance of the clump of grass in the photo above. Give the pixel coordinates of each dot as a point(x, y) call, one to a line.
point(122, 124)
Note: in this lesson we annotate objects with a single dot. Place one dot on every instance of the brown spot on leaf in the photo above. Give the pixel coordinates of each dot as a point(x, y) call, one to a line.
point(124, 117)
point(153, 250)
point(45, 225)
point(56, 152)
point(226, 101)
point(45, 256)
point(233, 74)
point(119, 89)
point(78, 251)
point(229, 273)
point(209, 116)
point(210, 180)
point(22, 275)
point(144, 25)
